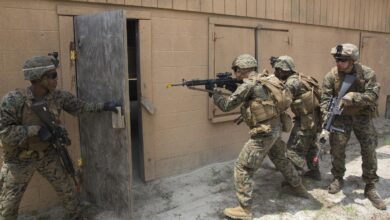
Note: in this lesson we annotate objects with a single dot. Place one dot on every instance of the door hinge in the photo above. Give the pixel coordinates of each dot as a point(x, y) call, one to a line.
point(73, 53)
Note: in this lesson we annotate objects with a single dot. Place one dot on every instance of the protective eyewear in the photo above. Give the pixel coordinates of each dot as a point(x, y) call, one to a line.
point(342, 60)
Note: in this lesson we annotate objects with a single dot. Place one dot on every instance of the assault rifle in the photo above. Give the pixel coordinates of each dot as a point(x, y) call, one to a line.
point(223, 80)
point(334, 109)
point(59, 138)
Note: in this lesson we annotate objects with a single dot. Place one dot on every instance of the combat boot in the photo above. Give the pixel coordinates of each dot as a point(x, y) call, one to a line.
point(238, 213)
point(299, 190)
point(335, 186)
point(313, 174)
point(376, 200)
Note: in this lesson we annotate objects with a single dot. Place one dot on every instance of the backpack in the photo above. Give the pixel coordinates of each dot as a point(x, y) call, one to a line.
point(279, 93)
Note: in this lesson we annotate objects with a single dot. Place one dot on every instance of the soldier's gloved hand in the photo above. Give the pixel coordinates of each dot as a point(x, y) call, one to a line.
point(32, 130)
point(110, 106)
point(324, 136)
point(44, 134)
point(210, 87)
point(347, 99)
point(231, 87)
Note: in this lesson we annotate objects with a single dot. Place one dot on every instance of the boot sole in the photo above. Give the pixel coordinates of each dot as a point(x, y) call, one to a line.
point(376, 206)
point(236, 217)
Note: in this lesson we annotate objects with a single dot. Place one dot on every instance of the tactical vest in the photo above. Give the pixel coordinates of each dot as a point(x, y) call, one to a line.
point(268, 101)
point(30, 118)
point(307, 102)
point(357, 86)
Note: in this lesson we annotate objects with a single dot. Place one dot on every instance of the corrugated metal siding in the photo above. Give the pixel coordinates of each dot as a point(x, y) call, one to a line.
point(371, 15)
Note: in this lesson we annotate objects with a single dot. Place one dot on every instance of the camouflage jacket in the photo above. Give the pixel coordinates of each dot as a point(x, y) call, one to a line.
point(248, 93)
point(13, 132)
point(244, 93)
point(295, 85)
point(365, 88)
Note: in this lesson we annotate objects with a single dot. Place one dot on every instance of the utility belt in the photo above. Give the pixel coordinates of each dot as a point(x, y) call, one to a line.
point(26, 152)
point(265, 128)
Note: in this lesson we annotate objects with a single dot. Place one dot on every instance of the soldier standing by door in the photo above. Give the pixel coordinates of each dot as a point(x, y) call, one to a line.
point(301, 145)
point(24, 138)
point(359, 107)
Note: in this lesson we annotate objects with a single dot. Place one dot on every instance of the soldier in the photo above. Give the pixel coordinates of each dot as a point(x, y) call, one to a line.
point(359, 107)
point(22, 134)
point(260, 113)
point(301, 144)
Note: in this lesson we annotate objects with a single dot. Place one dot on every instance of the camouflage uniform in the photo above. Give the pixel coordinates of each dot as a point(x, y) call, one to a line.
point(357, 117)
point(23, 154)
point(23, 150)
point(301, 144)
point(267, 141)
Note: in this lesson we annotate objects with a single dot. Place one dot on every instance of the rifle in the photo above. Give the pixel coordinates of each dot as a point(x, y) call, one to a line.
point(334, 109)
point(222, 80)
point(59, 139)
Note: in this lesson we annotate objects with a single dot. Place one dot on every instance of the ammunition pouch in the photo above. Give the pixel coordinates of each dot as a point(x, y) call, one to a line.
point(305, 104)
point(308, 121)
point(34, 143)
point(30, 154)
point(260, 130)
point(258, 111)
point(286, 121)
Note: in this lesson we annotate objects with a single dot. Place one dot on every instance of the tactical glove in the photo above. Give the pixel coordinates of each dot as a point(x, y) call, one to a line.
point(231, 87)
point(110, 106)
point(324, 136)
point(210, 87)
point(33, 130)
point(347, 99)
point(44, 134)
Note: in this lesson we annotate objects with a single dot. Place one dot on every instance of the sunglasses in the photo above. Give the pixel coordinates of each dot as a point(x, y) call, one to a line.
point(341, 60)
point(52, 75)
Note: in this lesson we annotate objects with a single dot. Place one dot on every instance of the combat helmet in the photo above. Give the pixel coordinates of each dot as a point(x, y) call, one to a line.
point(244, 61)
point(285, 63)
point(345, 51)
point(35, 67)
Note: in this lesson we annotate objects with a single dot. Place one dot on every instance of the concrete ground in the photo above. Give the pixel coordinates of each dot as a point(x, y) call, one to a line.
point(204, 193)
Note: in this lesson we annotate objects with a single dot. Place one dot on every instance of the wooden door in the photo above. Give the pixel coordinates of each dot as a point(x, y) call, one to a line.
point(102, 76)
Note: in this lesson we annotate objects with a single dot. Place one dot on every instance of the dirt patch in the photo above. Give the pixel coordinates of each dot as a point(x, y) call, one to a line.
point(204, 193)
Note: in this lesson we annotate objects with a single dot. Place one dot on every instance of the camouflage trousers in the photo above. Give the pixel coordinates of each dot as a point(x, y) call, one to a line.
point(364, 130)
point(16, 175)
point(302, 147)
point(250, 159)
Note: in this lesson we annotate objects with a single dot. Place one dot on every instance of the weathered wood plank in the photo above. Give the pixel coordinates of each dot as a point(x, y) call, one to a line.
point(102, 76)
point(287, 10)
point(270, 9)
point(295, 10)
point(261, 8)
point(279, 10)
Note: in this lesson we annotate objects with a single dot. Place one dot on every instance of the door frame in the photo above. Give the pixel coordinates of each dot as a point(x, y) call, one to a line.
point(66, 15)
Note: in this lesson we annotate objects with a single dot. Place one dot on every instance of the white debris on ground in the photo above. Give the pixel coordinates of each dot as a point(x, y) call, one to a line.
point(204, 193)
